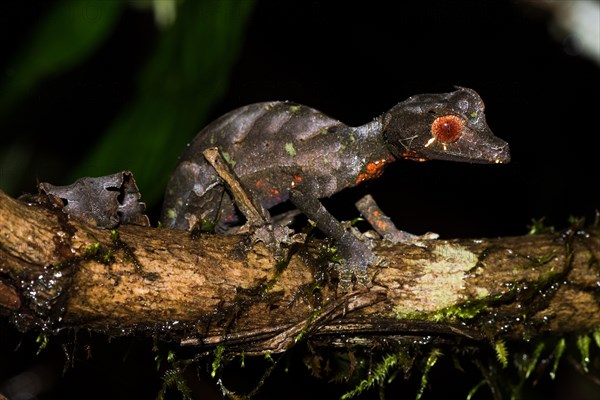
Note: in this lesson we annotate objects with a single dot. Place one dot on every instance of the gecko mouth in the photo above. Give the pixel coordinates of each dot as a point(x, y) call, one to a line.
point(502, 156)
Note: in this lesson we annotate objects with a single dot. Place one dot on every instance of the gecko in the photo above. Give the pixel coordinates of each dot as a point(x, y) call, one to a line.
point(283, 151)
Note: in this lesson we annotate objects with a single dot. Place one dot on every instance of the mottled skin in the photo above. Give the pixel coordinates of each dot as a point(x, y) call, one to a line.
point(283, 151)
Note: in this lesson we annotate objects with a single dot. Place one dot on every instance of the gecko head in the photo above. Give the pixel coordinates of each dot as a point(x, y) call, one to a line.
point(445, 126)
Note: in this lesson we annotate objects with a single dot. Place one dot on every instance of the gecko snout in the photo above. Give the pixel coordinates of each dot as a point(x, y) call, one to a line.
point(502, 154)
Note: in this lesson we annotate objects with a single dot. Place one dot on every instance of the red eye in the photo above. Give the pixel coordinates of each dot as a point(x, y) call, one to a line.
point(447, 129)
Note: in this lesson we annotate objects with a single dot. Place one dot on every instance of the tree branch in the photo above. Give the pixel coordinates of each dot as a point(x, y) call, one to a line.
point(210, 290)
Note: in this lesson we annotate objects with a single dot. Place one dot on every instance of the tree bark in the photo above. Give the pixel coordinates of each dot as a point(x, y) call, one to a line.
point(209, 290)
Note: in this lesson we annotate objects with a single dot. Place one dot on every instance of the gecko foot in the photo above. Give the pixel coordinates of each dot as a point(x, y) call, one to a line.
point(404, 237)
point(384, 226)
point(356, 257)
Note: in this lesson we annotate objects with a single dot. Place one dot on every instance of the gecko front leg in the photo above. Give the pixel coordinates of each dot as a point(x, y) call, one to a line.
point(356, 255)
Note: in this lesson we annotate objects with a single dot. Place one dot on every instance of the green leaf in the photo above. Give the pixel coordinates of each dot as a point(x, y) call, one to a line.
point(184, 78)
point(72, 31)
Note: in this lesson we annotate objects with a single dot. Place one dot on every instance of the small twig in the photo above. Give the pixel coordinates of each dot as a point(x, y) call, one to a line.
point(254, 212)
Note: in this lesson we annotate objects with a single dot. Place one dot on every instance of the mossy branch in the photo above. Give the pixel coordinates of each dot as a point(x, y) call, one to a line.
point(215, 290)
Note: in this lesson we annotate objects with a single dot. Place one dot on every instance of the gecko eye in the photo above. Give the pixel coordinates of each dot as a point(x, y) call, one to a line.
point(447, 129)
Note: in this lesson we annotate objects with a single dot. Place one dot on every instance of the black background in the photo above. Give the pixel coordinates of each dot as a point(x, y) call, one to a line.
point(351, 60)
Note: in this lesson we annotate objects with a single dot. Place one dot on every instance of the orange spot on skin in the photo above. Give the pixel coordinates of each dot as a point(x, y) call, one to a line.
point(372, 170)
point(295, 180)
point(413, 156)
point(266, 187)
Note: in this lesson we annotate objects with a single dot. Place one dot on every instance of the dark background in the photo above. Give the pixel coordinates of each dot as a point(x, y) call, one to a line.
point(352, 61)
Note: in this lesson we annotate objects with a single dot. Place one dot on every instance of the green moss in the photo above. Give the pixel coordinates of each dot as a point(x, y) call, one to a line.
point(158, 358)
point(308, 325)
point(356, 220)
point(559, 349)
point(543, 260)
point(228, 159)
point(171, 356)
point(381, 373)
point(100, 253)
point(539, 227)
point(217, 362)
point(269, 357)
point(462, 312)
point(467, 310)
point(535, 357)
point(171, 213)
point(174, 378)
point(58, 267)
point(289, 148)
point(432, 359)
point(92, 249)
point(501, 353)
point(583, 344)
point(42, 340)
point(203, 226)
point(330, 253)
point(280, 266)
point(107, 257)
point(475, 389)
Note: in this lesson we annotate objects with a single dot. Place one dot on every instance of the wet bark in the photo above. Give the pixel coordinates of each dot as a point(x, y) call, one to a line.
point(210, 290)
